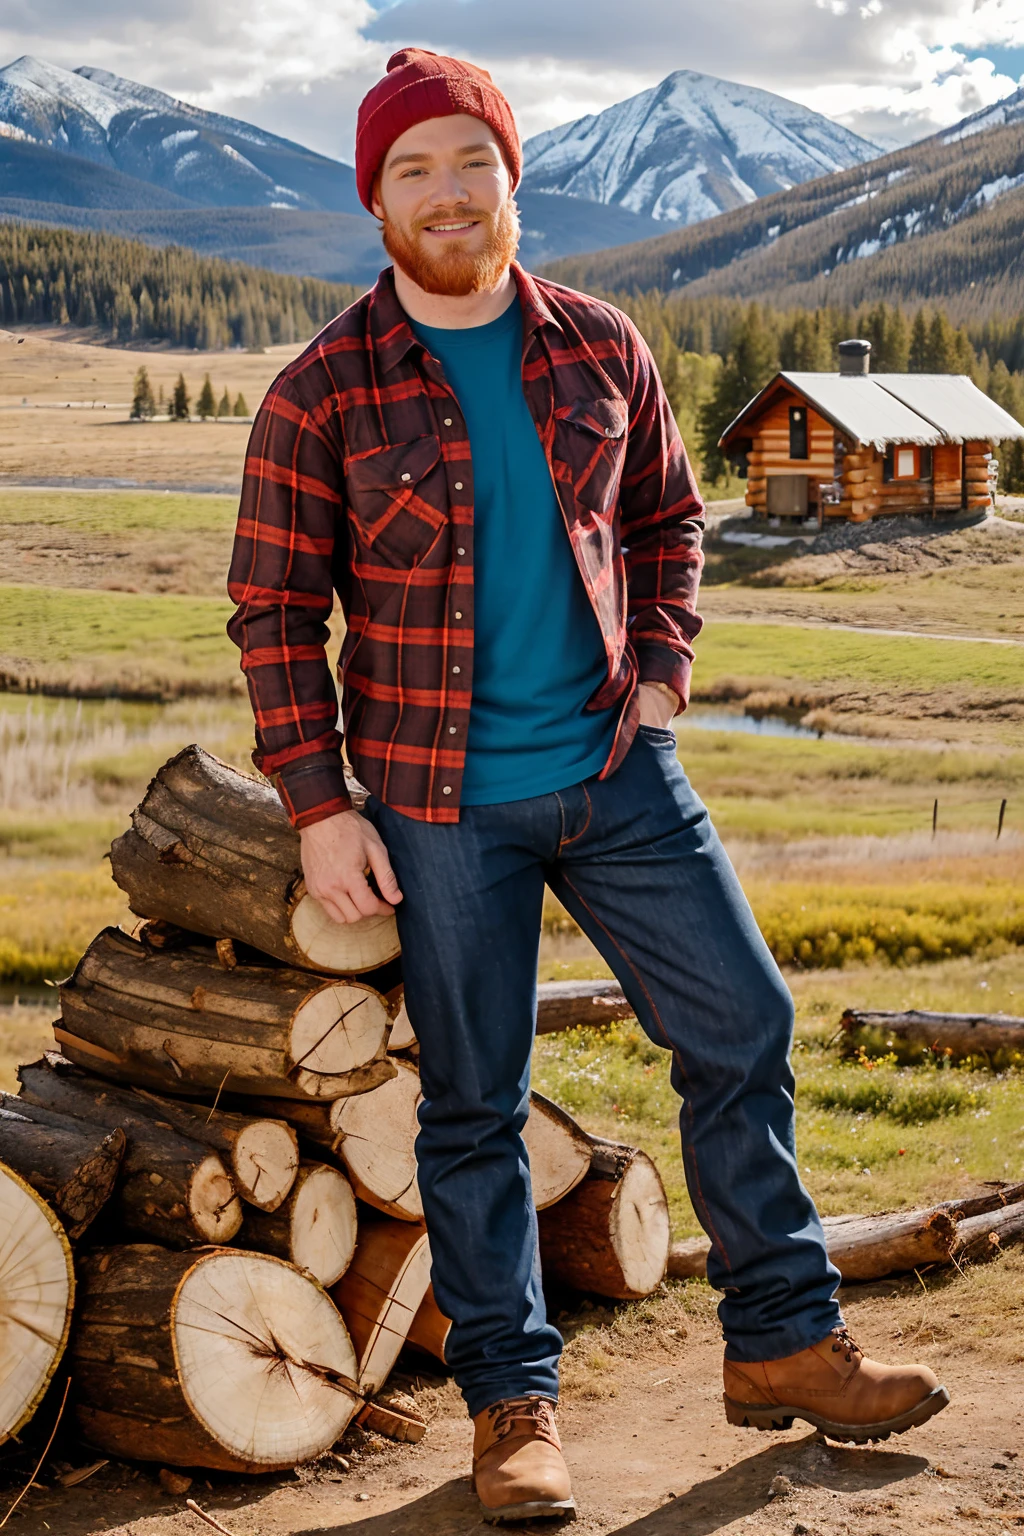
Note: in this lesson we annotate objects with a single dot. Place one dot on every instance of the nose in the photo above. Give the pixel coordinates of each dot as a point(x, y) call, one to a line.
point(448, 188)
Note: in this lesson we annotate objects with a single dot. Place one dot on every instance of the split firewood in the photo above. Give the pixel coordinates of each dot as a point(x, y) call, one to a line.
point(395, 1415)
point(566, 1004)
point(213, 851)
point(73, 1166)
point(172, 1189)
point(262, 1153)
point(403, 1036)
point(314, 1229)
point(37, 1292)
point(381, 1292)
point(611, 1234)
point(313, 1119)
point(960, 1034)
point(989, 1234)
point(224, 1359)
point(430, 1328)
point(378, 1146)
point(175, 1021)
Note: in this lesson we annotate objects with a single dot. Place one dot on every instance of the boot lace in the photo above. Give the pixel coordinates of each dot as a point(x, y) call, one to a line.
point(536, 1413)
point(844, 1341)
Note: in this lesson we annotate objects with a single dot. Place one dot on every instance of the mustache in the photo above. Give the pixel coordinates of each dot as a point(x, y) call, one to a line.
point(451, 216)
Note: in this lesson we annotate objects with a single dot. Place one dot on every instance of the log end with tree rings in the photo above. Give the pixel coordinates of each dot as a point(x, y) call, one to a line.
point(381, 1292)
point(315, 1228)
point(264, 1162)
point(403, 1036)
point(228, 1359)
point(335, 1031)
point(37, 1288)
point(559, 1151)
point(378, 1143)
point(213, 1205)
point(611, 1235)
point(345, 949)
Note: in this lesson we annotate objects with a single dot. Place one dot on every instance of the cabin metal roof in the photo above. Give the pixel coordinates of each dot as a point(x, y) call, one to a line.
point(883, 408)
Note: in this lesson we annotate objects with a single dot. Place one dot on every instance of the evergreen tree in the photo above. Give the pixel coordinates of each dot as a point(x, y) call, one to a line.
point(224, 404)
point(180, 401)
point(206, 405)
point(143, 404)
point(942, 350)
point(1011, 468)
point(750, 364)
point(241, 409)
point(919, 358)
point(1000, 387)
point(897, 343)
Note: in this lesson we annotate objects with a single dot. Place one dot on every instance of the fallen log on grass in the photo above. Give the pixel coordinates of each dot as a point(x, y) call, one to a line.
point(176, 1021)
point(956, 1034)
point(172, 1189)
point(611, 1234)
point(72, 1165)
point(224, 1359)
point(315, 1228)
point(989, 1234)
point(567, 1004)
point(381, 1292)
point(37, 1290)
point(212, 850)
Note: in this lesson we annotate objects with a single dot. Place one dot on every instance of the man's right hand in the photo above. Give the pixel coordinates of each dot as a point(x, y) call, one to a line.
point(336, 855)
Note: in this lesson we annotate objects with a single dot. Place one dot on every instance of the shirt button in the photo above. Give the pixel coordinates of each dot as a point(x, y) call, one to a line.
point(447, 421)
point(458, 485)
point(452, 729)
point(456, 670)
point(609, 431)
point(407, 476)
point(460, 550)
point(458, 615)
point(446, 790)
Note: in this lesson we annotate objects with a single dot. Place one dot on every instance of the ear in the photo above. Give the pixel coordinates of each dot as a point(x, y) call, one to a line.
point(375, 202)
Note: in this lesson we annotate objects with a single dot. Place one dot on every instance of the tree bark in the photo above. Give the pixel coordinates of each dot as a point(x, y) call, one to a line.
point(175, 1021)
point(560, 1151)
point(262, 1152)
point(73, 1166)
point(611, 1235)
point(381, 1292)
point(313, 1119)
point(566, 1004)
point(224, 1359)
point(961, 1034)
point(213, 851)
point(986, 1236)
point(37, 1292)
point(315, 1228)
point(172, 1189)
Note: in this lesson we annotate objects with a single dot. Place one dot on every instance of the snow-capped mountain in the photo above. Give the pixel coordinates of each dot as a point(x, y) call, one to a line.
point(690, 148)
point(1009, 110)
point(197, 156)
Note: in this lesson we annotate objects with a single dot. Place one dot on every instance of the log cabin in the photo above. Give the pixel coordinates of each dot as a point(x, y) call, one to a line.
point(858, 445)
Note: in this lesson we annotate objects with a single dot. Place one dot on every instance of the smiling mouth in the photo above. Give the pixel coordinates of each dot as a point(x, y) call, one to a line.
point(450, 229)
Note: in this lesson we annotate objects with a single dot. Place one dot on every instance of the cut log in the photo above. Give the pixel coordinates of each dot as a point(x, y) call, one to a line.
point(395, 1415)
point(566, 1004)
point(37, 1292)
point(225, 1359)
point(315, 1228)
point(314, 1120)
point(988, 1235)
point(961, 1034)
point(381, 1292)
point(262, 1153)
point(430, 1328)
point(403, 1036)
point(861, 1247)
point(175, 1021)
point(173, 1190)
point(213, 851)
point(611, 1235)
point(73, 1166)
point(378, 1146)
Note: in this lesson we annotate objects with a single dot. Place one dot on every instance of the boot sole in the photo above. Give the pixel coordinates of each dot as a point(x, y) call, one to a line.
point(536, 1509)
point(781, 1415)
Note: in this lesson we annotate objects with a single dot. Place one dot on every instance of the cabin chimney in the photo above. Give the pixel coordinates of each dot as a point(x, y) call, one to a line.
point(855, 357)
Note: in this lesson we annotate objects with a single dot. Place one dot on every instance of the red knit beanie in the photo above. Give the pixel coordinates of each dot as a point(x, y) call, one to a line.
point(420, 85)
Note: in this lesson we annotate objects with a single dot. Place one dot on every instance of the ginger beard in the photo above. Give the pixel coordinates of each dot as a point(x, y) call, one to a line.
point(452, 269)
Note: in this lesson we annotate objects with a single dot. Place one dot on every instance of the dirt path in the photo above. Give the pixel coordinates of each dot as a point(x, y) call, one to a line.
point(654, 1459)
point(775, 614)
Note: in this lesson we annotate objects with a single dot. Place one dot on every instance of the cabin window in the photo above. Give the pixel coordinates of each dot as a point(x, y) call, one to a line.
point(905, 466)
point(924, 463)
point(797, 432)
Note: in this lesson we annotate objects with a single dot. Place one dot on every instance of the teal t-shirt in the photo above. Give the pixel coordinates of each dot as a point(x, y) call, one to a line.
point(538, 651)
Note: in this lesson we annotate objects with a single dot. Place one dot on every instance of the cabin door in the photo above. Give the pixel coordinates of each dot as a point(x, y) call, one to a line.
point(787, 495)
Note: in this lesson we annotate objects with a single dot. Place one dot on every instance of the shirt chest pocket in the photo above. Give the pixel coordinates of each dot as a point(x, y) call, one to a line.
point(590, 437)
point(395, 496)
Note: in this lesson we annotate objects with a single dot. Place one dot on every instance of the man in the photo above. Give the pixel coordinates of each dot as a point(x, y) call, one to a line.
point(484, 467)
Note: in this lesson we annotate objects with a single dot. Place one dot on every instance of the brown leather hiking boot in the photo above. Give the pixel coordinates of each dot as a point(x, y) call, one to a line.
point(835, 1387)
point(518, 1470)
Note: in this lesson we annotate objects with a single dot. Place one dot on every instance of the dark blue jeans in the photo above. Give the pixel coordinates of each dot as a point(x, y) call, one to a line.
point(637, 862)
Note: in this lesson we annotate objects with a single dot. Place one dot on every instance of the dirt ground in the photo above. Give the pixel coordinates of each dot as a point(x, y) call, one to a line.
point(649, 1449)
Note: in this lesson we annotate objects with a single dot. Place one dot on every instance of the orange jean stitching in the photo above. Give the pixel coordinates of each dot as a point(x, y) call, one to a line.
point(675, 1056)
point(565, 841)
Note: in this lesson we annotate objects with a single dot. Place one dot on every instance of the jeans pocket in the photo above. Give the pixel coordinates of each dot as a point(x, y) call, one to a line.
point(658, 735)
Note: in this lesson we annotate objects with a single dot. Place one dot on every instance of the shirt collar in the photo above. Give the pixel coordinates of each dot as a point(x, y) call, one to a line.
point(391, 335)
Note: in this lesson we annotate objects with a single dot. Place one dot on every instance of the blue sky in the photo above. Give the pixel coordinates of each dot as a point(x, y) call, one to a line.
point(892, 70)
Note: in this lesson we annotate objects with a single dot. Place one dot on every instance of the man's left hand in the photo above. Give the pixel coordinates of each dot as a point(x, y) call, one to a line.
point(658, 704)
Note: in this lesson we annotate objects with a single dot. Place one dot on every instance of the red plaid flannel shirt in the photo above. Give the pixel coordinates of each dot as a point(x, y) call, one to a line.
point(358, 481)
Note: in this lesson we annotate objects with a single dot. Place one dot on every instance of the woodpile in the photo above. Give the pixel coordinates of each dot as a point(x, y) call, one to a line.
point(220, 1153)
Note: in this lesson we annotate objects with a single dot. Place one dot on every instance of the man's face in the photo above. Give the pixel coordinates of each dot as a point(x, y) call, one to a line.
point(444, 197)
